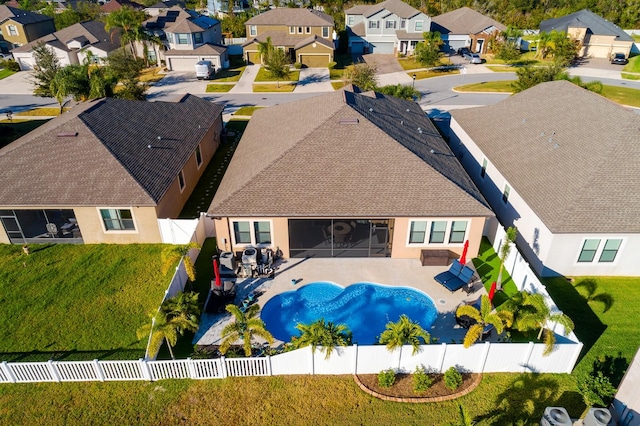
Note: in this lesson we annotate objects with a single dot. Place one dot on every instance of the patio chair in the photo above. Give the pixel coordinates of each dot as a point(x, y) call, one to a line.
point(453, 272)
point(456, 283)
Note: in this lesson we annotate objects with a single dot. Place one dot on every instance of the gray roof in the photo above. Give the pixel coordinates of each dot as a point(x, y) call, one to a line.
point(463, 21)
point(93, 31)
point(345, 154)
point(397, 7)
point(179, 20)
point(205, 49)
point(292, 16)
point(109, 161)
point(23, 17)
point(585, 19)
point(571, 154)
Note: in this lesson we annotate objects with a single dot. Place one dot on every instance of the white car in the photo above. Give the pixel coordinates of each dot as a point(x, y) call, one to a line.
point(473, 58)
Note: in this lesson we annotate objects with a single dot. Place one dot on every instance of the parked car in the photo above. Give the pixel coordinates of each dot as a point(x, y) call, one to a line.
point(473, 58)
point(619, 59)
point(463, 51)
point(205, 70)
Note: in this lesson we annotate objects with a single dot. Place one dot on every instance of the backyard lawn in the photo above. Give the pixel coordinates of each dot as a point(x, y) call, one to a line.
point(10, 131)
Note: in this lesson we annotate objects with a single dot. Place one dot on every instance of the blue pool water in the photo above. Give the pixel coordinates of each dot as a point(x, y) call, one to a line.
point(365, 308)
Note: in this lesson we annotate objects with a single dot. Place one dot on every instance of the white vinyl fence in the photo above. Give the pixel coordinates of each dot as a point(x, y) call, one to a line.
point(184, 231)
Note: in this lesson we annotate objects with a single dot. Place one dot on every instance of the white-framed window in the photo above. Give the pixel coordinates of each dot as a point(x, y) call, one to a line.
point(307, 30)
point(483, 170)
point(588, 252)
point(417, 231)
point(299, 30)
point(251, 232)
point(592, 249)
point(13, 30)
point(181, 180)
point(418, 26)
point(325, 32)
point(610, 250)
point(350, 20)
point(391, 24)
point(424, 232)
point(437, 232)
point(374, 24)
point(182, 38)
point(458, 231)
point(505, 193)
point(253, 30)
point(117, 220)
point(292, 30)
point(198, 156)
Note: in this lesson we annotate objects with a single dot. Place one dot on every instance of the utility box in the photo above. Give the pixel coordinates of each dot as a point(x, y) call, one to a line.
point(227, 264)
point(597, 417)
point(205, 70)
point(555, 416)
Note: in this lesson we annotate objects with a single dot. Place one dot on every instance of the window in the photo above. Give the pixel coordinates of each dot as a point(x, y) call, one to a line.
point(292, 30)
point(589, 249)
point(325, 32)
point(417, 232)
point(438, 229)
point(197, 38)
point(610, 250)
point(350, 20)
point(391, 24)
point(182, 39)
point(403, 23)
point(198, 156)
point(181, 180)
point(458, 231)
point(253, 30)
point(374, 24)
point(117, 219)
point(418, 26)
point(263, 232)
point(505, 194)
point(242, 231)
point(13, 30)
point(307, 30)
point(483, 171)
point(299, 30)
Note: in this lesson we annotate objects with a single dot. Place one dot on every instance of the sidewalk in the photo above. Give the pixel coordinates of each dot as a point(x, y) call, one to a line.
point(245, 84)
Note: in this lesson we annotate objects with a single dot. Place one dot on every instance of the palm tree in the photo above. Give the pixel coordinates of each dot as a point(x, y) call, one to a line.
point(327, 335)
point(277, 65)
point(182, 308)
point(505, 249)
point(128, 21)
point(245, 327)
point(171, 254)
point(403, 332)
point(542, 45)
point(265, 49)
point(161, 331)
point(483, 317)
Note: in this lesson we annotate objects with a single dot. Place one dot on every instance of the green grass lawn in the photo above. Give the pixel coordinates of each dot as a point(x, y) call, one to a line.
point(410, 63)
point(9, 132)
point(247, 110)
point(505, 68)
point(219, 87)
point(284, 87)
point(337, 85)
point(503, 86)
point(420, 75)
point(263, 75)
point(229, 75)
point(41, 112)
point(77, 301)
point(6, 73)
point(633, 65)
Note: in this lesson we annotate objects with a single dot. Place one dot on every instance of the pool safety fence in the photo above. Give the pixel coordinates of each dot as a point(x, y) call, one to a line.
point(479, 358)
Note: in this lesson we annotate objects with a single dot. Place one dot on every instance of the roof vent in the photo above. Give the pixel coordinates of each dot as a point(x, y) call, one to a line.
point(402, 122)
point(370, 109)
point(556, 146)
point(542, 134)
point(67, 134)
point(349, 121)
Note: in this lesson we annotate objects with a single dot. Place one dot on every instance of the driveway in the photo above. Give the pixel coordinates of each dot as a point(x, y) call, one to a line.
point(385, 64)
point(596, 67)
point(17, 84)
point(314, 80)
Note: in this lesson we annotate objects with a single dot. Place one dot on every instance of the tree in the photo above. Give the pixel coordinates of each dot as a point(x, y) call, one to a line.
point(183, 308)
point(244, 327)
point(173, 253)
point(400, 91)
point(159, 331)
point(505, 249)
point(264, 49)
point(46, 66)
point(328, 335)
point(128, 21)
point(483, 317)
point(277, 65)
point(404, 332)
point(428, 51)
point(565, 49)
point(361, 75)
point(72, 80)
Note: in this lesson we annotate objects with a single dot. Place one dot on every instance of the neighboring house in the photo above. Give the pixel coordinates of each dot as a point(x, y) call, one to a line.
point(72, 44)
point(163, 6)
point(358, 175)
point(106, 171)
point(626, 403)
point(561, 164)
point(187, 38)
point(391, 26)
point(306, 35)
point(220, 8)
point(114, 5)
point(598, 37)
point(19, 27)
point(465, 27)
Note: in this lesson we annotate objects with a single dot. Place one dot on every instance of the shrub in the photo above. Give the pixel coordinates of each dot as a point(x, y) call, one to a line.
point(386, 378)
point(596, 389)
point(421, 380)
point(10, 64)
point(332, 65)
point(297, 65)
point(452, 378)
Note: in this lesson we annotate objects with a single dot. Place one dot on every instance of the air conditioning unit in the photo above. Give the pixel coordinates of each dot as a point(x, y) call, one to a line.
point(555, 416)
point(597, 417)
point(227, 264)
point(250, 256)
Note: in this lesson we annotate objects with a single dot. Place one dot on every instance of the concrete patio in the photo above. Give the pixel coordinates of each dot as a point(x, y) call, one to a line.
point(347, 271)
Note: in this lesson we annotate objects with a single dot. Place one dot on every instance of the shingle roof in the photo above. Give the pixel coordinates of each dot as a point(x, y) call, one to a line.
point(571, 154)
point(93, 31)
point(109, 162)
point(314, 39)
point(24, 17)
point(292, 16)
point(397, 7)
point(345, 154)
point(585, 19)
point(178, 20)
point(205, 49)
point(463, 21)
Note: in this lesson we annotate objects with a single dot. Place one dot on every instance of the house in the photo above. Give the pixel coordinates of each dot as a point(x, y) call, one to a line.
point(163, 6)
point(220, 8)
point(106, 171)
point(71, 45)
point(19, 27)
point(358, 175)
point(307, 35)
point(113, 5)
point(561, 164)
point(598, 37)
point(187, 38)
point(391, 26)
point(465, 27)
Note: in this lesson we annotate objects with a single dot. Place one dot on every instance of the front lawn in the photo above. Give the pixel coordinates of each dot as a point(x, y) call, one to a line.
point(247, 110)
point(219, 88)
point(229, 75)
point(4, 73)
point(434, 73)
point(151, 75)
point(77, 301)
point(264, 75)
point(502, 86)
point(633, 65)
point(284, 87)
point(410, 63)
point(41, 112)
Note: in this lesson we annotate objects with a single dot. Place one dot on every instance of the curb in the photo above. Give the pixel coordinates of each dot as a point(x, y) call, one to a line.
point(417, 400)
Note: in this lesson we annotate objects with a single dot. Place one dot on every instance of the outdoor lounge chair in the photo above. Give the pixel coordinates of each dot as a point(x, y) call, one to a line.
point(454, 283)
point(454, 271)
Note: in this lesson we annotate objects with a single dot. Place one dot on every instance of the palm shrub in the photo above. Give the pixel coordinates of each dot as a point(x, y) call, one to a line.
point(327, 335)
point(173, 253)
point(421, 380)
point(505, 249)
point(404, 332)
point(452, 378)
point(386, 378)
point(483, 317)
point(245, 326)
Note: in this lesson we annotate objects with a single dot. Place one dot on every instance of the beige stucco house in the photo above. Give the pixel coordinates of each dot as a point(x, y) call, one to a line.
point(106, 171)
point(598, 37)
point(306, 35)
point(358, 175)
point(464, 27)
point(19, 27)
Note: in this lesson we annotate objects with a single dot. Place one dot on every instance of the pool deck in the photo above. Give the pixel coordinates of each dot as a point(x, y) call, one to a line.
point(347, 271)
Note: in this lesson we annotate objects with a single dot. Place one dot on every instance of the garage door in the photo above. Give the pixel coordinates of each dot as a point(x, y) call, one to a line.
point(357, 48)
point(26, 64)
point(315, 61)
point(182, 64)
point(381, 48)
point(598, 51)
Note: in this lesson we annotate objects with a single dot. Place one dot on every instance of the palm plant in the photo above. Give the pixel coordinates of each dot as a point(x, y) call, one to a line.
point(158, 331)
point(128, 21)
point(505, 249)
point(484, 316)
point(182, 308)
point(173, 253)
point(403, 332)
point(327, 335)
point(277, 65)
point(245, 327)
point(265, 49)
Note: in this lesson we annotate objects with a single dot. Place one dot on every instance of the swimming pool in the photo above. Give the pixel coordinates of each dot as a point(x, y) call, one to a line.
point(366, 308)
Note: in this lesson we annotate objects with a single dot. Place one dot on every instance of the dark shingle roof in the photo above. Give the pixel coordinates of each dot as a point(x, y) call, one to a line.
point(205, 49)
point(397, 7)
point(93, 31)
point(348, 154)
point(571, 154)
point(292, 16)
point(585, 19)
point(24, 17)
point(109, 162)
point(463, 21)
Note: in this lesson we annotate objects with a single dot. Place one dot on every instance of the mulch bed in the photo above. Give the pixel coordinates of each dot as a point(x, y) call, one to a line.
point(403, 387)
